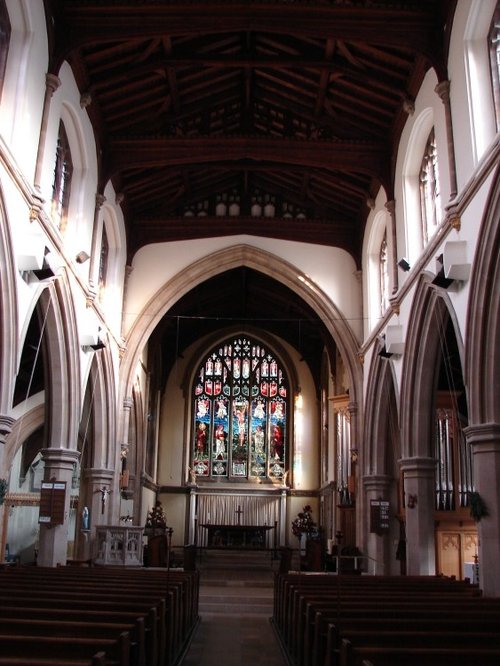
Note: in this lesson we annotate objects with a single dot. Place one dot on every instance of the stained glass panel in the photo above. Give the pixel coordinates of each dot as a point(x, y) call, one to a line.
point(240, 413)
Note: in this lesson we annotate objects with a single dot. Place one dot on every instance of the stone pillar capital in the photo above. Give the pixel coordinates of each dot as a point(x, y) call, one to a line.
point(390, 206)
point(418, 466)
point(6, 425)
point(52, 83)
point(60, 458)
point(484, 437)
point(443, 90)
point(377, 482)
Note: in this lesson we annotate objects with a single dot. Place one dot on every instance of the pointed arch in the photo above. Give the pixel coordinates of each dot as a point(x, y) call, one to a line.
point(483, 318)
point(430, 311)
point(381, 418)
point(9, 331)
point(63, 379)
point(220, 262)
point(98, 413)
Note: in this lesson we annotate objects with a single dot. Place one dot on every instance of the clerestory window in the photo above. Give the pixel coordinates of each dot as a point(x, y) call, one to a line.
point(383, 275)
point(494, 47)
point(63, 172)
point(240, 409)
point(4, 40)
point(103, 263)
point(430, 194)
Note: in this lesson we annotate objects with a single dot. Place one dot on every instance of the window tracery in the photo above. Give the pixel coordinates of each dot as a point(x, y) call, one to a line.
point(494, 47)
point(240, 407)
point(430, 194)
point(63, 172)
point(383, 275)
point(4, 40)
point(103, 262)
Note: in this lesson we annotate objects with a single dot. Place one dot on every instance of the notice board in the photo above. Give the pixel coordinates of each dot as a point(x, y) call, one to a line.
point(52, 501)
point(379, 516)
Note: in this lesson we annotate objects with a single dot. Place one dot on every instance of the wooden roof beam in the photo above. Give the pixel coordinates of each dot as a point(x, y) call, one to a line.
point(364, 157)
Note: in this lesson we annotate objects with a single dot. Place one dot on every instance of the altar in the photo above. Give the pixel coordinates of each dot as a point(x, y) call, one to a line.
point(236, 536)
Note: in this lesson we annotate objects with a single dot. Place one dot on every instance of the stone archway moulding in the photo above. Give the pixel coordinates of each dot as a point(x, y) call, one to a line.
point(430, 308)
point(225, 260)
point(483, 318)
point(377, 412)
point(9, 332)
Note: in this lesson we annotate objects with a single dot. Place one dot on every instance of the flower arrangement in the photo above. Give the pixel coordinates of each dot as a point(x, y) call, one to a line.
point(304, 523)
point(478, 508)
point(156, 518)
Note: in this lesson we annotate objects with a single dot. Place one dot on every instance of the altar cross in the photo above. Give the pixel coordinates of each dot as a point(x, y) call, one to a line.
point(238, 513)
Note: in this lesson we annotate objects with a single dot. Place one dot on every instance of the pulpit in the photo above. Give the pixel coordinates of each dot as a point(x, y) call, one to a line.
point(236, 536)
point(119, 545)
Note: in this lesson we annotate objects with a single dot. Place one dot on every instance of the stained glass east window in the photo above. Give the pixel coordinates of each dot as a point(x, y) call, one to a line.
point(240, 413)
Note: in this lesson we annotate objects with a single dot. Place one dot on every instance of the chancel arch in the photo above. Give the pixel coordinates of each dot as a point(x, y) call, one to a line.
point(163, 432)
point(219, 262)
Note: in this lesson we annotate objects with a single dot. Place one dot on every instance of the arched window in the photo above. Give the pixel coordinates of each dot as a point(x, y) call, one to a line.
point(494, 44)
point(63, 172)
point(240, 407)
point(383, 275)
point(430, 195)
point(4, 40)
point(103, 262)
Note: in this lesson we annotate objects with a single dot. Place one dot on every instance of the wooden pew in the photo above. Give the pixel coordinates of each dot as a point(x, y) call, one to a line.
point(182, 589)
point(99, 659)
point(310, 611)
point(96, 589)
point(131, 641)
point(143, 653)
point(109, 607)
point(329, 624)
point(179, 589)
point(417, 656)
point(116, 651)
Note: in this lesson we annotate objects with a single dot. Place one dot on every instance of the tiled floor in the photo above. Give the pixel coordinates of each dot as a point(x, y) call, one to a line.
point(234, 641)
point(235, 616)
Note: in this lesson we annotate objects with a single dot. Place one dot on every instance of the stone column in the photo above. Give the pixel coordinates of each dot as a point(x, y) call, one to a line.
point(59, 465)
point(419, 489)
point(282, 524)
point(125, 444)
point(6, 424)
point(192, 516)
point(52, 83)
point(376, 487)
point(443, 90)
point(99, 486)
point(484, 440)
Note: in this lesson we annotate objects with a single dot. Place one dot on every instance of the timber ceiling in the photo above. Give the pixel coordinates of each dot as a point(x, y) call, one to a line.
point(275, 119)
point(200, 105)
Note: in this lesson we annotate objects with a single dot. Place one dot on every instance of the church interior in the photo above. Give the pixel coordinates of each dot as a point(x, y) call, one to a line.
point(250, 285)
